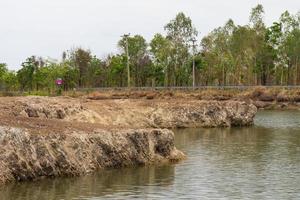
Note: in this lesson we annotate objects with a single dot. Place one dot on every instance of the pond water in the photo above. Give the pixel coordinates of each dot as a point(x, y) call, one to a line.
point(259, 162)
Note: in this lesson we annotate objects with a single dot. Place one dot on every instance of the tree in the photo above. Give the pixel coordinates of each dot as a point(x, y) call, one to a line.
point(25, 75)
point(180, 32)
point(117, 65)
point(292, 50)
point(289, 50)
point(274, 43)
point(3, 71)
point(137, 49)
point(257, 18)
point(251, 54)
point(81, 59)
point(160, 47)
point(10, 81)
point(218, 54)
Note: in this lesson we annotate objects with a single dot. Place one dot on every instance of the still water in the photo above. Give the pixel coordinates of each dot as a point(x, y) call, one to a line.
point(259, 162)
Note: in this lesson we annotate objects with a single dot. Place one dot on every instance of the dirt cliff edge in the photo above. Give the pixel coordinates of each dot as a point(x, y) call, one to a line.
point(62, 136)
point(26, 156)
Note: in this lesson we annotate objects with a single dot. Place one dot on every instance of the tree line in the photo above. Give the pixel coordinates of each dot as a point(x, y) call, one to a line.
point(251, 54)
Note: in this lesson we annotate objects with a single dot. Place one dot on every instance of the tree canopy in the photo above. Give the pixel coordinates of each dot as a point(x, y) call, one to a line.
point(250, 54)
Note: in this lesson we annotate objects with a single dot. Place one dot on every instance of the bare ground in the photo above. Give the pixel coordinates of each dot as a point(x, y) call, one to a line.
point(63, 136)
point(44, 114)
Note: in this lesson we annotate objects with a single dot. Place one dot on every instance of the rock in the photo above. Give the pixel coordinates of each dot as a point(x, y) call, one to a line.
point(241, 114)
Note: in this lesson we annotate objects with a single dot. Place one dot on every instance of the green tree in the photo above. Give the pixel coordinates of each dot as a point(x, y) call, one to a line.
point(26, 73)
point(117, 65)
point(94, 72)
point(160, 47)
point(81, 59)
point(10, 81)
point(180, 32)
point(137, 49)
point(3, 71)
point(218, 55)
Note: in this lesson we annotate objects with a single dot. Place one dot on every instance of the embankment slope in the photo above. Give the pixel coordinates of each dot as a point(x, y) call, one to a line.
point(62, 136)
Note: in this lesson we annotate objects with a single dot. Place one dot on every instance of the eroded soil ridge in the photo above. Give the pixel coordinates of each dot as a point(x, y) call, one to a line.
point(26, 156)
point(62, 136)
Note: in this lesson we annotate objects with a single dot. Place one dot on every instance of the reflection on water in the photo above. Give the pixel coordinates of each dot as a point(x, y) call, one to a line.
point(279, 119)
point(242, 163)
point(124, 182)
point(260, 162)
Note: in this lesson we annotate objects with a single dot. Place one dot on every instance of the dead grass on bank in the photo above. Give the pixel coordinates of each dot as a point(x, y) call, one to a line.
point(255, 94)
point(164, 94)
point(272, 94)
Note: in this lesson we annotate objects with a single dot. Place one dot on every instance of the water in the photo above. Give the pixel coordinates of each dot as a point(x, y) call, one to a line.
point(260, 162)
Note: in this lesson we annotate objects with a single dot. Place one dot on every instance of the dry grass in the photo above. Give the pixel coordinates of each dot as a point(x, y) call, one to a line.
point(165, 94)
point(255, 94)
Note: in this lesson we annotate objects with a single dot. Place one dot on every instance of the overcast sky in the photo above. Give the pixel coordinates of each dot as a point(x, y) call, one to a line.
point(48, 27)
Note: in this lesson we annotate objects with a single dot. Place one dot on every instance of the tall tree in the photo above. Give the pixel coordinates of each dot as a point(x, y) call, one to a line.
point(3, 71)
point(257, 24)
point(26, 73)
point(181, 32)
point(81, 58)
point(137, 49)
point(161, 50)
point(117, 73)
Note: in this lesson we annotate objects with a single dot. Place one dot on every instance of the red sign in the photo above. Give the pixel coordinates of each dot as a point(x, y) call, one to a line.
point(59, 81)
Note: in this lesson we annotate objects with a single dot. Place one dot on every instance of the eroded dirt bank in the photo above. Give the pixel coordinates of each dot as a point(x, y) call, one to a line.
point(27, 156)
point(131, 113)
point(63, 136)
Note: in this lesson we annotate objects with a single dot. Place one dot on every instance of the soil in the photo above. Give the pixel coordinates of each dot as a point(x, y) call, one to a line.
point(53, 114)
point(64, 136)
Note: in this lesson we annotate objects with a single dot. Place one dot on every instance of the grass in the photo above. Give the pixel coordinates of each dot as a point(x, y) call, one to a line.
point(256, 93)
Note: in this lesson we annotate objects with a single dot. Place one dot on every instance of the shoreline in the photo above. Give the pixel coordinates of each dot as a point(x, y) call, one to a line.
point(63, 136)
point(27, 156)
point(279, 97)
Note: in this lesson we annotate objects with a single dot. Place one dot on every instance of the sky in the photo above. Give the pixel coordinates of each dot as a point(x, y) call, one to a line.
point(48, 27)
